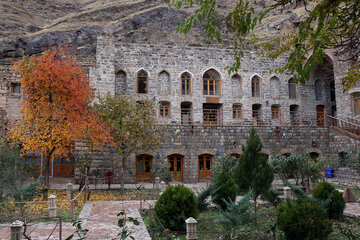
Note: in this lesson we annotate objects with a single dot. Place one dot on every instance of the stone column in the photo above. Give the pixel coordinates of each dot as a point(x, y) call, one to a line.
point(52, 206)
point(16, 230)
point(68, 191)
point(162, 186)
point(191, 233)
point(287, 192)
point(157, 182)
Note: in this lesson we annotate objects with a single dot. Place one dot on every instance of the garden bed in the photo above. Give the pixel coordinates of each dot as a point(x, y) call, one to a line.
point(208, 229)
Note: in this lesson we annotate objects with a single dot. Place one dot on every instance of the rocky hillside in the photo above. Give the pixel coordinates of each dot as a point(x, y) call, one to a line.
point(32, 25)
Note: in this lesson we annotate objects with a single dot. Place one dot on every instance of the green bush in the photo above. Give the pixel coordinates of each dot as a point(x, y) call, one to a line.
point(201, 202)
point(174, 206)
point(333, 201)
point(223, 190)
point(302, 219)
point(161, 170)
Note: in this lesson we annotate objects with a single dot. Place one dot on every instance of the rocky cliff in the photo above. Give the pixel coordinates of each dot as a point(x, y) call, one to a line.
point(30, 26)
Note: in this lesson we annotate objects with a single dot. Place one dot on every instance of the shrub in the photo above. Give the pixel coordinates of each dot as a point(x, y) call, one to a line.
point(223, 190)
point(161, 170)
point(174, 206)
point(302, 219)
point(332, 199)
point(201, 203)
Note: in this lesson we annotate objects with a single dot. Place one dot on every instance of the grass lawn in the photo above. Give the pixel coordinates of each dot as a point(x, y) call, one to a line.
point(209, 230)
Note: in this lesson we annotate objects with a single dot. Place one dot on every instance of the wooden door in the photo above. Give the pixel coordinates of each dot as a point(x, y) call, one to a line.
point(320, 115)
point(205, 165)
point(143, 168)
point(176, 166)
point(63, 166)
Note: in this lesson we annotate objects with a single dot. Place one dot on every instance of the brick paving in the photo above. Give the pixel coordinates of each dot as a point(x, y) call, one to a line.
point(101, 221)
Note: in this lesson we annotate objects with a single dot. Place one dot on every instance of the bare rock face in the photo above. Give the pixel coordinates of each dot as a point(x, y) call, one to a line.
point(30, 26)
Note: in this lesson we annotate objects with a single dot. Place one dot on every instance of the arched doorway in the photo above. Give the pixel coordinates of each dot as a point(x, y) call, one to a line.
point(143, 168)
point(205, 166)
point(320, 115)
point(176, 163)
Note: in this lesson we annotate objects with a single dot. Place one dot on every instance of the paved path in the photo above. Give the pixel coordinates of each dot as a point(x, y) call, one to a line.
point(99, 218)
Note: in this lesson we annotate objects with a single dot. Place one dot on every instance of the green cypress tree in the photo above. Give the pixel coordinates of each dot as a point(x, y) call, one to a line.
point(253, 171)
point(223, 190)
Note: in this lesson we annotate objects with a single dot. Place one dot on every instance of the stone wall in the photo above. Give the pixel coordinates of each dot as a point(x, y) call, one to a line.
point(128, 59)
point(220, 141)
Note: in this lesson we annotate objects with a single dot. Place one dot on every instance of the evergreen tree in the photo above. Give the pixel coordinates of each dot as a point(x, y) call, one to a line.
point(253, 171)
point(223, 190)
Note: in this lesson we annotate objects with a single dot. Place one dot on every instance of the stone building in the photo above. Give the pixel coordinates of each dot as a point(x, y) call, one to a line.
point(209, 112)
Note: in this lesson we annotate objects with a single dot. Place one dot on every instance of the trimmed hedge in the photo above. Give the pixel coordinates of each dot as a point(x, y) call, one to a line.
point(175, 205)
point(333, 201)
point(303, 220)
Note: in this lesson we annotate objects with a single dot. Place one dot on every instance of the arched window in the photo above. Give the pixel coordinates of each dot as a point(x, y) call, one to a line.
point(164, 83)
point(211, 83)
point(120, 82)
point(318, 90)
point(275, 112)
point(292, 88)
point(185, 84)
point(236, 86)
point(143, 167)
point(275, 87)
point(255, 86)
point(356, 103)
point(164, 110)
point(237, 113)
point(142, 82)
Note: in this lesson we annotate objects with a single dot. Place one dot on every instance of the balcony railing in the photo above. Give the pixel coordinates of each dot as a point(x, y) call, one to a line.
point(346, 127)
point(215, 117)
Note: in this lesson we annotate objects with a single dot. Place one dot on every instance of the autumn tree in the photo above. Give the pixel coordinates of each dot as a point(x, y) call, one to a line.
point(329, 24)
point(133, 126)
point(56, 106)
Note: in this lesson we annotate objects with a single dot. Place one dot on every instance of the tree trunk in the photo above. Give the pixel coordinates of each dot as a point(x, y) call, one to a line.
point(46, 177)
point(122, 180)
point(255, 221)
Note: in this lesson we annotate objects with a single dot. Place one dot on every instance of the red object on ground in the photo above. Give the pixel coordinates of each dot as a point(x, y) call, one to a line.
point(348, 195)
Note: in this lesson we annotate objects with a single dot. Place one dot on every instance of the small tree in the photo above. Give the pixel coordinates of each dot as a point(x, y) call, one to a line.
point(253, 171)
point(235, 215)
point(223, 190)
point(13, 169)
point(161, 170)
point(56, 106)
point(225, 163)
point(133, 126)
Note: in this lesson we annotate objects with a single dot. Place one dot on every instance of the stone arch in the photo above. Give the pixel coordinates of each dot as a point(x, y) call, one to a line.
point(206, 151)
point(175, 152)
point(120, 82)
point(214, 69)
point(315, 150)
point(234, 150)
point(287, 150)
point(164, 83)
point(236, 85)
point(275, 87)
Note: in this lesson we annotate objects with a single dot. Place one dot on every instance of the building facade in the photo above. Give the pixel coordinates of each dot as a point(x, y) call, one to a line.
point(209, 112)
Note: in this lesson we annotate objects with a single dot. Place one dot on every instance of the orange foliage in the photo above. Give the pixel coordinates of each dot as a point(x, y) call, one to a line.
point(56, 105)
